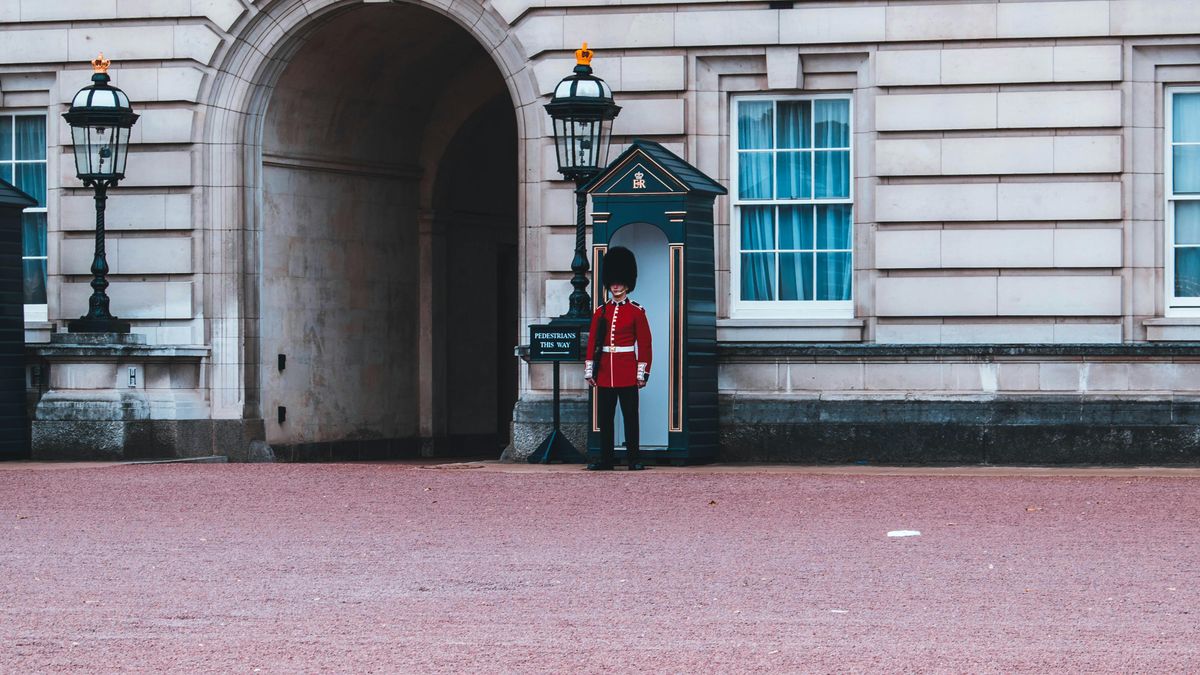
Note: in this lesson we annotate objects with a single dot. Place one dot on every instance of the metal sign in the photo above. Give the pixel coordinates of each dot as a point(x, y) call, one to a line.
point(548, 342)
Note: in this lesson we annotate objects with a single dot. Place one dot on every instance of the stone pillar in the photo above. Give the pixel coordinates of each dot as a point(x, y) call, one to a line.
point(432, 337)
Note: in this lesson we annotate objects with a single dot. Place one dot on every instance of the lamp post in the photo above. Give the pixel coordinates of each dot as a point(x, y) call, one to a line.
point(583, 111)
point(100, 119)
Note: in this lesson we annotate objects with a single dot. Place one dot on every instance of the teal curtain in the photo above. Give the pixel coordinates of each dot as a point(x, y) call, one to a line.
point(833, 226)
point(29, 175)
point(31, 145)
point(794, 169)
point(1185, 128)
point(832, 174)
point(1187, 272)
point(758, 269)
point(1187, 222)
point(758, 228)
point(834, 268)
point(1185, 118)
point(33, 237)
point(832, 170)
point(755, 133)
point(754, 175)
point(796, 227)
point(794, 125)
point(1187, 251)
point(796, 276)
point(1185, 169)
point(833, 276)
point(796, 268)
point(795, 175)
point(31, 179)
point(754, 125)
point(31, 137)
point(832, 121)
point(6, 145)
point(795, 150)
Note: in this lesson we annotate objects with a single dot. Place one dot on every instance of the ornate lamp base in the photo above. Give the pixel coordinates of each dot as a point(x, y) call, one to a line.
point(85, 324)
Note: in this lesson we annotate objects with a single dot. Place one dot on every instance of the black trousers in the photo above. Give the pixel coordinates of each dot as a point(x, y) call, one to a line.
point(606, 409)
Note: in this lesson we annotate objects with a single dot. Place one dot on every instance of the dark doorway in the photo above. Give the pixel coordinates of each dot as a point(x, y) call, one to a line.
point(389, 186)
point(476, 205)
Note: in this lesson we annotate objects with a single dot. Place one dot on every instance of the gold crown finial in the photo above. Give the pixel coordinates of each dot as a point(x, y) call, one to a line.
point(100, 64)
point(583, 57)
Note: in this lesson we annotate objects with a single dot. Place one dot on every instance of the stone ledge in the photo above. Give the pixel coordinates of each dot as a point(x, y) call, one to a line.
point(38, 332)
point(749, 331)
point(62, 351)
point(730, 352)
point(1173, 329)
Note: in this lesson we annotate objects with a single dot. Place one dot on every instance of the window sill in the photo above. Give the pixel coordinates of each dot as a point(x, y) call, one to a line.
point(1173, 329)
point(790, 330)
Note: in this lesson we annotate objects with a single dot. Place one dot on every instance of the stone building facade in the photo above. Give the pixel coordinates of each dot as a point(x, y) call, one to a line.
point(958, 231)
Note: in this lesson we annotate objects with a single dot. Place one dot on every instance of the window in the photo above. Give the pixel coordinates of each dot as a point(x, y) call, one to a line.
point(1183, 201)
point(792, 207)
point(23, 163)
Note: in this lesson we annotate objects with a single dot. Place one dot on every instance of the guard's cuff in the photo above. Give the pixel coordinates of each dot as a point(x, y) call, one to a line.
point(587, 370)
point(642, 371)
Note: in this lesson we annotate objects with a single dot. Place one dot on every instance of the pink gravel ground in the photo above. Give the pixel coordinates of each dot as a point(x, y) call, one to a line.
point(408, 568)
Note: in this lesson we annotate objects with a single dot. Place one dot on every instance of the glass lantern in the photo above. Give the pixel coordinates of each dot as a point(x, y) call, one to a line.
point(582, 110)
point(100, 119)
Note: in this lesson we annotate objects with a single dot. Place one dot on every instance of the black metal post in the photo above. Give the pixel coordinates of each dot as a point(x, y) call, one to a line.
point(556, 447)
point(99, 319)
point(557, 398)
point(581, 303)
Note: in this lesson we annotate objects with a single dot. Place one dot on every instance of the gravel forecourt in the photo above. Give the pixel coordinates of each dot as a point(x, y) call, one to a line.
point(482, 567)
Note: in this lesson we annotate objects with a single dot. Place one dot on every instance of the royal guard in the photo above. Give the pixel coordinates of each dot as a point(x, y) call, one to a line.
point(619, 346)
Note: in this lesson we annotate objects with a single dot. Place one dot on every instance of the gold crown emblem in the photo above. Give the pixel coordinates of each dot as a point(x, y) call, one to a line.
point(100, 64)
point(583, 57)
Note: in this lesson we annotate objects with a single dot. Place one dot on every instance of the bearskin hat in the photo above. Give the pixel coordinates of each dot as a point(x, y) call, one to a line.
point(620, 267)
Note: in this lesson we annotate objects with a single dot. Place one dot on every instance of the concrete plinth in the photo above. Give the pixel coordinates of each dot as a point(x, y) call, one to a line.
point(112, 396)
point(533, 420)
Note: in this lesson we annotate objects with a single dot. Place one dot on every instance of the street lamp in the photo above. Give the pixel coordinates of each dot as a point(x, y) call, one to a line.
point(583, 111)
point(100, 119)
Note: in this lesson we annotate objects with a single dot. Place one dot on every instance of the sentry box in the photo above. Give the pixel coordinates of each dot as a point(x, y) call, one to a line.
point(652, 202)
point(14, 435)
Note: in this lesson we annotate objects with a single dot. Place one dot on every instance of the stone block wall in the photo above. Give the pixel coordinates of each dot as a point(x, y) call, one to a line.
point(1007, 167)
point(1044, 404)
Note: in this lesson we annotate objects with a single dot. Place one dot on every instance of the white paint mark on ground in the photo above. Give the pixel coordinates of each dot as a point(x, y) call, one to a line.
point(904, 533)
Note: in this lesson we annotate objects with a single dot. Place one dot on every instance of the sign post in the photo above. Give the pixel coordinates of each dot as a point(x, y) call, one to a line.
point(556, 343)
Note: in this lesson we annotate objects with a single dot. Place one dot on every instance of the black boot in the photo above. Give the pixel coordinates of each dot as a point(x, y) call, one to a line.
point(605, 463)
point(634, 460)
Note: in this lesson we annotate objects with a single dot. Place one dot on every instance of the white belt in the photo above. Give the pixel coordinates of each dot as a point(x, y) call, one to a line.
point(608, 348)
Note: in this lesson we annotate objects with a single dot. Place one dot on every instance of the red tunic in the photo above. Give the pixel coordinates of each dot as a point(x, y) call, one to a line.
point(626, 330)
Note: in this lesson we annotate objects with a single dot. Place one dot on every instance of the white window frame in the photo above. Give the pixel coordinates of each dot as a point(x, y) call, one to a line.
point(1175, 306)
point(782, 309)
point(37, 313)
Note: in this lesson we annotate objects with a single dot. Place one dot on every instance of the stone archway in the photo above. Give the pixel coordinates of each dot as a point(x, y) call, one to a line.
point(290, 174)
